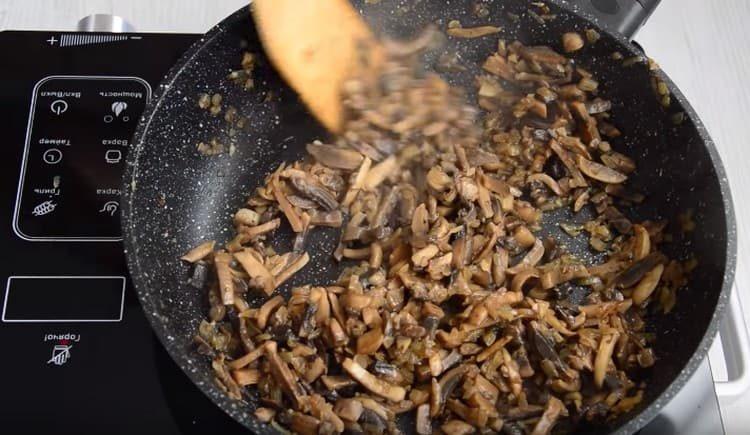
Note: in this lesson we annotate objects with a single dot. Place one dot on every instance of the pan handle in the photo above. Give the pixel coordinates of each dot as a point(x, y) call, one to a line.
point(623, 16)
point(736, 346)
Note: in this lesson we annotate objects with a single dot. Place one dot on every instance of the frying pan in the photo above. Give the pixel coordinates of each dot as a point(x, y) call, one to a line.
point(174, 198)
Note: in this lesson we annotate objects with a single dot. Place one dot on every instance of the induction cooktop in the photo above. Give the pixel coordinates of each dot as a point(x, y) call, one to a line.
point(78, 355)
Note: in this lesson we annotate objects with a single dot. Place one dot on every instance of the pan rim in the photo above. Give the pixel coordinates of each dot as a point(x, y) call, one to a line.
point(142, 288)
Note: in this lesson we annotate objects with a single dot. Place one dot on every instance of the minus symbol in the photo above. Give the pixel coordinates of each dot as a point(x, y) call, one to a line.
point(136, 37)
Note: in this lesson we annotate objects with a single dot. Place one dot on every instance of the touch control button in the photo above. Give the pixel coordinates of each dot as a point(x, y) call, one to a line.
point(52, 156)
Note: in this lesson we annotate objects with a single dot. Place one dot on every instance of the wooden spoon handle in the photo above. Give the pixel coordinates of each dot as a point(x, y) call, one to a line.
point(317, 45)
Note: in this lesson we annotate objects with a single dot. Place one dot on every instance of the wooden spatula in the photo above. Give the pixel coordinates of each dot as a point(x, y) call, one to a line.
point(317, 45)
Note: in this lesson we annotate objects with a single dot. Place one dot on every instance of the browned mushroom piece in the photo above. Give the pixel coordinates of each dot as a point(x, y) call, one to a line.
point(637, 270)
point(304, 424)
point(264, 415)
point(291, 215)
point(600, 172)
point(260, 276)
point(226, 283)
point(309, 186)
point(283, 375)
point(199, 252)
point(250, 232)
point(572, 41)
point(295, 266)
point(422, 257)
point(552, 413)
point(245, 377)
point(548, 181)
point(532, 257)
point(369, 342)
point(334, 383)
point(384, 389)
point(380, 172)
point(479, 157)
point(335, 157)
point(457, 427)
point(348, 409)
point(471, 32)
point(648, 284)
point(302, 203)
point(642, 243)
point(423, 421)
point(333, 219)
point(246, 359)
point(603, 356)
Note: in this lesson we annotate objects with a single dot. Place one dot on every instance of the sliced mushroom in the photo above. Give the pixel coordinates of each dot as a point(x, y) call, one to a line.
point(531, 258)
point(264, 415)
point(310, 187)
point(551, 414)
point(357, 183)
point(302, 203)
point(648, 284)
point(423, 422)
point(247, 359)
point(637, 270)
point(548, 181)
point(335, 383)
point(369, 342)
point(604, 355)
point(348, 409)
point(245, 216)
point(199, 252)
point(385, 209)
point(618, 162)
point(245, 377)
point(438, 180)
point(522, 278)
point(587, 124)
point(642, 244)
point(440, 267)
point(333, 219)
point(559, 275)
point(334, 157)
point(600, 172)
point(261, 277)
point(225, 379)
point(570, 164)
point(422, 257)
point(457, 427)
point(304, 424)
point(258, 230)
point(384, 389)
point(291, 215)
point(472, 32)
point(294, 267)
point(380, 172)
point(226, 283)
point(447, 384)
point(283, 375)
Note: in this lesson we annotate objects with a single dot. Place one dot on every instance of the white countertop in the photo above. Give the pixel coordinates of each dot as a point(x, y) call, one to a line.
point(701, 44)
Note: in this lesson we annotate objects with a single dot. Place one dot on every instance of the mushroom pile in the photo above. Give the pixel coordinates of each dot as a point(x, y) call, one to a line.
point(451, 306)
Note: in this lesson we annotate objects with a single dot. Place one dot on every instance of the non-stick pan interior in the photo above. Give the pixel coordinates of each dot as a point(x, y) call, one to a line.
point(176, 198)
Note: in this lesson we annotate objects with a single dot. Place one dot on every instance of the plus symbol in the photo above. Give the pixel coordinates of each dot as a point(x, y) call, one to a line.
point(52, 40)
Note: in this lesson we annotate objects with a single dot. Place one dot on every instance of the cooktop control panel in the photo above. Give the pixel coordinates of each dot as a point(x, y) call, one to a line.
point(77, 340)
point(78, 133)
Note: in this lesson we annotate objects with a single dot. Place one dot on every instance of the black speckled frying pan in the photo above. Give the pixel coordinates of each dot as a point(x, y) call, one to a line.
point(175, 198)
